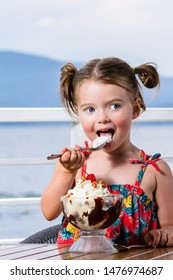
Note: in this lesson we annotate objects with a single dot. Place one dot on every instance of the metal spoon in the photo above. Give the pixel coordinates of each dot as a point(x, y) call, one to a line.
point(121, 247)
point(97, 146)
point(80, 150)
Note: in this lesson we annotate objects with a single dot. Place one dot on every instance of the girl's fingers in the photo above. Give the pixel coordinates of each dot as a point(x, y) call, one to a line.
point(66, 155)
point(169, 240)
point(158, 237)
point(152, 238)
point(163, 239)
point(64, 150)
point(72, 159)
point(77, 158)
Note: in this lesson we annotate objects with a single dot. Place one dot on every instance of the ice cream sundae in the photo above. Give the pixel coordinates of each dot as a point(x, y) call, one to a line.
point(90, 206)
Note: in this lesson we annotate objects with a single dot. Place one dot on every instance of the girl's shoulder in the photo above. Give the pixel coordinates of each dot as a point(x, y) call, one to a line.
point(158, 162)
point(164, 166)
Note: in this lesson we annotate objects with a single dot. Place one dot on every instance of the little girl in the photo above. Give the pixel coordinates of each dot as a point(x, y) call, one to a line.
point(106, 96)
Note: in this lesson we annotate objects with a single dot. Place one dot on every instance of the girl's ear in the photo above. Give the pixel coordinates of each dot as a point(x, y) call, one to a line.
point(136, 108)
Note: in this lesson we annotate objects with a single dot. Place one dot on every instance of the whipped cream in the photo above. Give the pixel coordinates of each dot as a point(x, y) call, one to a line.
point(86, 188)
point(102, 140)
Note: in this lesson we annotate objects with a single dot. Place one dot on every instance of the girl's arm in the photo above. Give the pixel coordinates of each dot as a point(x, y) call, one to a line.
point(62, 180)
point(164, 200)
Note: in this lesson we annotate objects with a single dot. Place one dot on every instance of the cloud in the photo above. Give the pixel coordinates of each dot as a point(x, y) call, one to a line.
point(73, 29)
point(44, 23)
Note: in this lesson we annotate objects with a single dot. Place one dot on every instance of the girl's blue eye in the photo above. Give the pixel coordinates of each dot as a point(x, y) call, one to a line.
point(90, 110)
point(114, 106)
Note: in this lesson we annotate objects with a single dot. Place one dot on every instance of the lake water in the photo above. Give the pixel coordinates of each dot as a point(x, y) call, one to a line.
point(35, 140)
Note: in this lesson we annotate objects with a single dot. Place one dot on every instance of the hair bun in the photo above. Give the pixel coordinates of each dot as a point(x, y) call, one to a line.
point(148, 75)
point(68, 69)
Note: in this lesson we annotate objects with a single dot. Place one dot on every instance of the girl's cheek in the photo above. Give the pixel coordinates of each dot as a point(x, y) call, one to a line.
point(87, 126)
point(124, 123)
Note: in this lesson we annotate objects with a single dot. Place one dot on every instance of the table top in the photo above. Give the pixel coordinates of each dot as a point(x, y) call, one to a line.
point(61, 252)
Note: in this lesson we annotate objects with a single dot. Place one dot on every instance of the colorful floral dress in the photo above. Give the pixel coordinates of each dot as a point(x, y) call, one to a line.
point(138, 215)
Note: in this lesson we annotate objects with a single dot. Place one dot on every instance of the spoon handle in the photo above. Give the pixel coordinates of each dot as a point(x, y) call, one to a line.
point(54, 156)
point(121, 247)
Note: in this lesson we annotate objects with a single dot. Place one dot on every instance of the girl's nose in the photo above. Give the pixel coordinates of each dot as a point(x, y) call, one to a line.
point(103, 117)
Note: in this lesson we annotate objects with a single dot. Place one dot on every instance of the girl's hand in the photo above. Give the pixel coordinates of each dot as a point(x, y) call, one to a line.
point(71, 159)
point(159, 238)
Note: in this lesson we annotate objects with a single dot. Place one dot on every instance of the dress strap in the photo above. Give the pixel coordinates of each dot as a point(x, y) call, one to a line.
point(145, 160)
point(86, 153)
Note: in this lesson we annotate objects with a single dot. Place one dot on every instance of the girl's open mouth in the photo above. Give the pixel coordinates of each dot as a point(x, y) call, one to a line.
point(109, 132)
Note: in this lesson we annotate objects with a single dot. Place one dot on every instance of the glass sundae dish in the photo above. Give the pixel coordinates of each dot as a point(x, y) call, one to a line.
point(91, 208)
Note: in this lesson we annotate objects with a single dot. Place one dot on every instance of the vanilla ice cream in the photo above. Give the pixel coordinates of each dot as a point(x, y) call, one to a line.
point(89, 205)
point(102, 140)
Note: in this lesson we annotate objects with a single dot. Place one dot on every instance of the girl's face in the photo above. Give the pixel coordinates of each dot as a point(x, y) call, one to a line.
point(105, 109)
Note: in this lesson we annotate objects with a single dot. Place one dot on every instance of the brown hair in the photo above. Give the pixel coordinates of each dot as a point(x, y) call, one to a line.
point(110, 71)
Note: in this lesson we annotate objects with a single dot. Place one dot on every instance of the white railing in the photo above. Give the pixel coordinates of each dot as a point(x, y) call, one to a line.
point(34, 115)
point(60, 115)
point(19, 201)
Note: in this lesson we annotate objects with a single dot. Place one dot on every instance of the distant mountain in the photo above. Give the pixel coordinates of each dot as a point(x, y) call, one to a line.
point(33, 81)
point(29, 81)
point(163, 98)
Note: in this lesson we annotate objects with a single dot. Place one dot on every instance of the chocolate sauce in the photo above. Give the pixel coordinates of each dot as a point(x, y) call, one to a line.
point(97, 215)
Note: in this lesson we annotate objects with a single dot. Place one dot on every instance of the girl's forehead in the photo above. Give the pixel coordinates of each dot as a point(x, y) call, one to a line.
point(91, 90)
point(97, 86)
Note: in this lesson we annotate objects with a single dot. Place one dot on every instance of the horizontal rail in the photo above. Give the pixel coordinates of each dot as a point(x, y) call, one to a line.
point(37, 161)
point(60, 115)
point(34, 115)
point(20, 201)
point(25, 161)
point(156, 115)
point(11, 241)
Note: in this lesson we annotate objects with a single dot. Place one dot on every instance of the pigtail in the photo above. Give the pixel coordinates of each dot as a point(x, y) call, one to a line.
point(148, 75)
point(68, 73)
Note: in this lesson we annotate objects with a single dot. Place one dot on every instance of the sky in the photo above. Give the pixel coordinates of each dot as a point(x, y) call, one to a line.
point(80, 30)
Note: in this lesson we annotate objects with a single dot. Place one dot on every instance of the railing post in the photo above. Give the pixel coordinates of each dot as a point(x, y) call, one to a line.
point(77, 135)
